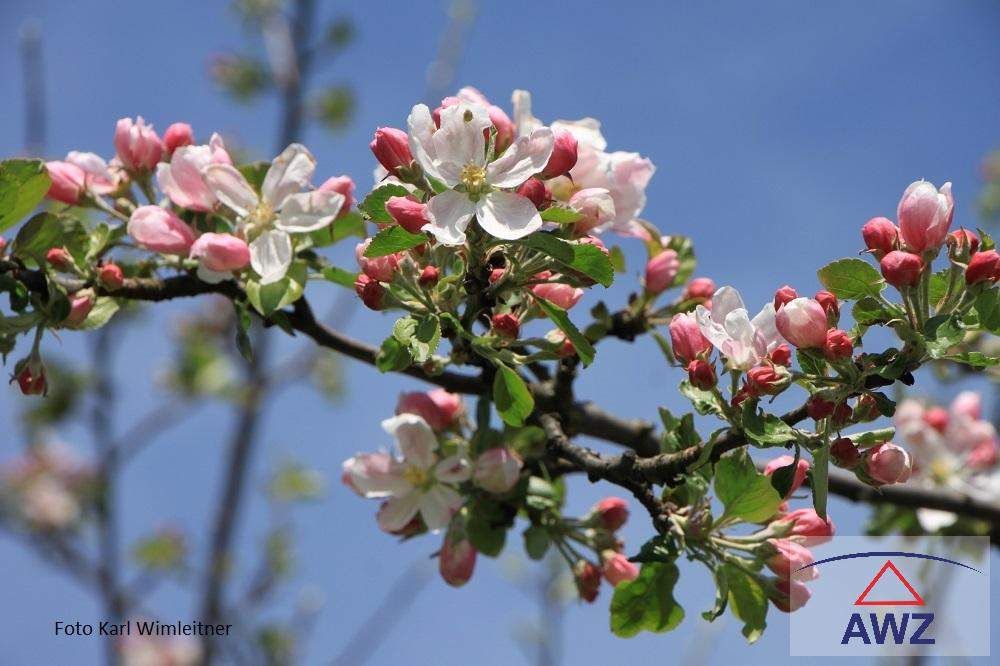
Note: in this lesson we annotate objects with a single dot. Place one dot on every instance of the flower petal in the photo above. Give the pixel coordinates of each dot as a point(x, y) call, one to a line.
point(453, 469)
point(767, 336)
point(724, 301)
point(414, 437)
point(376, 475)
point(449, 214)
point(438, 505)
point(271, 255)
point(213, 277)
point(421, 131)
point(507, 215)
point(308, 211)
point(524, 121)
point(290, 172)
point(231, 188)
point(523, 159)
point(397, 512)
point(460, 141)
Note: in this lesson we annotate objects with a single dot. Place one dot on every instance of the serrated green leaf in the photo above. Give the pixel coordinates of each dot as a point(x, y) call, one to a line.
point(973, 359)
point(243, 344)
point(647, 603)
point(871, 312)
point(512, 398)
point(765, 429)
point(584, 349)
point(536, 542)
point(425, 339)
point(559, 215)
point(581, 257)
point(23, 184)
point(100, 314)
point(339, 276)
point(744, 492)
point(704, 402)
point(393, 356)
point(851, 279)
point(942, 333)
point(38, 235)
point(819, 478)
point(987, 306)
point(20, 323)
point(747, 601)
point(393, 239)
point(373, 205)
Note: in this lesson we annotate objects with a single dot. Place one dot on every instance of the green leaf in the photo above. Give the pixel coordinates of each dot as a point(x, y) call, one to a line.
point(38, 236)
point(536, 542)
point(269, 298)
point(937, 287)
point(747, 601)
point(871, 312)
point(426, 337)
point(705, 402)
point(393, 356)
point(851, 279)
point(393, 239)
point(486, 525)
point(581, 257)
point(373, 205)
point(942, 333)
point(243, 330)
point(102, 312)
point(512, 398)
point(618, 260)
point(973, 359)
point(819, 478)
point(339, 276)
point(352, 224)
point(23, 184)
point(744, 492)
point(721, 595)
point(784, 477)
point(584, 349)
point(811, 362)
point(987, 306)
point(647, 603)
point(560, 215)
point(765, 429)
point(20, 323)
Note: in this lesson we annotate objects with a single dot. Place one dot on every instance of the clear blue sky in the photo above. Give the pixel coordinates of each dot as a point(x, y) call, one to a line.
point(777, 128)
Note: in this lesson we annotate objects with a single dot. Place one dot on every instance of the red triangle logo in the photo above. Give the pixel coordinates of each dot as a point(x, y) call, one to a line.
point(917, 600)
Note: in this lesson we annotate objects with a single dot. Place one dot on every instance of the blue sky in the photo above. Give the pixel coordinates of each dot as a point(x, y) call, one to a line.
point(777, 130)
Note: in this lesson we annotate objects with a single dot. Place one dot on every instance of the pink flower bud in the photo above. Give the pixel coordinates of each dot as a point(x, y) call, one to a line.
point(408, 213)
point(701, 374)
point(887, 464)
point(177, 136)
point(845, 452)
point(564, 153)
point(59, 258)
point(837, 346)
point(535, 191)
point(924, 215)
point(67, 182)
point(964, 241)
point(791, 557)
point(428, 276)
point(818, 408)
point(784, 461)
point(661, 271)
point(984, 454)
point(566, 349)
point(617, 568)
point(588, 580)
point(111, 276)
point(802, 322)
point(497, 470)
point(221, 252)
point(968, 403)
point(699, 288)
point(30, 376)
point(781, 355)
point(377, 268)
point(842, 415)
point(80, 305)
point(612, 512)
point(182, 180)
point(557, 293)
point(596, 208)
point(686, 338)
point(784, 295)
point(768, 379)
point(137, 145)
point(790, 596)
point(438, 407)
point(937, 418)
point(830, 305)
point(901, 269)
point(341, 185)
point(506, 325)
point(371, 292)
point(392, 149)
point(596, 242)
point(807, 523)
point(880, 236)
point(457, 559)
point(983, 267)
point(160, 230)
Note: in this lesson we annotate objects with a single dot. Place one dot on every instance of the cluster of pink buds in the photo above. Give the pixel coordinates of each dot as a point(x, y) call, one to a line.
point(604, 519)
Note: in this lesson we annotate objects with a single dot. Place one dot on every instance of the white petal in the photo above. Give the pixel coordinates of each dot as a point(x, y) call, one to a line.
point(507, 215)
point(376, 475)
point(271, 255)
point(398, 511)
point(421, 131)
point(290, 172)
point(213, 277)
point(932, 520)
point(523, 159)
point(523, 120)
point(309, 211)
point(587, 132)
point(414, 437)
point(767, 336)
point(438, 505)
point(710, 328)
point(453, 469)
point(449, 214)
point(231, 188)
point(460, 141)
point(724, 301)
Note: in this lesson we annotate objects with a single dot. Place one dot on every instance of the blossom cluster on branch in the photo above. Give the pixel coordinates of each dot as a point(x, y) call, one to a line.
point(483, 231)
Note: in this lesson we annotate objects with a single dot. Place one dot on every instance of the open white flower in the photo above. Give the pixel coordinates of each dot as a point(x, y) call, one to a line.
point(455, 154)
point(743, 341)
point(282, 208)
point(415, 481)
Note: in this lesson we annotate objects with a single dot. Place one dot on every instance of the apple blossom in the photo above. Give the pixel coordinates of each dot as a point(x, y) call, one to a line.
point(371, 292)
point(701, 374)
point(888, 463)
point(837, 346)
point(80, 305)
point(437, 407)
point(177, 136)
point(506, 325)
point(784, 295)
point(744, 342)
point(417, 480)
point(964, 241)
point(791, 557)
point(781, 355)
point(801, 470)
point(455, 155)
point(806, 523)
point(880, 236)
point(30, 376)
point(80, 173)
point(558, 293)
point(111, 276)
point(408, 213)
point(617, 568)
point(391, 148)
point(498, 117)
point(611, 512)
point(182, 179)
point(901, 269)
point(342, 185)
point(535, 191)
point(790, 596)
point(845, 452)
point(428, 276)
point(160, 230)
point(768, 379)
point(596, 208)
point(686, 338)
point(497, 470)
point(377, 268)
point(661, 271)
point(924, 215)
point(968, 404)
point(564, 154)
point(699, 288)
point(47, 503)
point(830, 305)
point(802, 322)
point(983, 267)
point(59, 258)
point(137, 144)
point(937, 418)
point(219, 255)
point(67, 182)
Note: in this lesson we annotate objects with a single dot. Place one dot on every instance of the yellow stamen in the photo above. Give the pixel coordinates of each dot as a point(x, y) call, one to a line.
point(473, 177)
point(416, 476)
